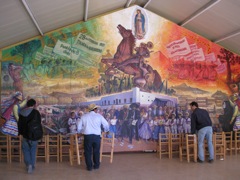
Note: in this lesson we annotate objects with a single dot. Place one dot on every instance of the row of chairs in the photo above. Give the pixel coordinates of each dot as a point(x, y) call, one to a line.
point(49, 146)
point(226, 142)
point(232, 142)
point(186, 145)
point(54, 146)
point(181, 144)
point(10, 148)
point(59, 146)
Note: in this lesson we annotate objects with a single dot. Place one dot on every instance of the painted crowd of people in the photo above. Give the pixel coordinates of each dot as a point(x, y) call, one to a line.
point(140, 123)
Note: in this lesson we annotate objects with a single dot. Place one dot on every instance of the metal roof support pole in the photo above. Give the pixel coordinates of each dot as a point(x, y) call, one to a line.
point(128, 3)
point(86, 10)
point(199, 12)
point(227, 36)
point(32, 16)
point(147, 3)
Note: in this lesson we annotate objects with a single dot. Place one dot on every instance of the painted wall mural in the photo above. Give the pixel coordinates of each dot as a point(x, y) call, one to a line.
point(143, 71)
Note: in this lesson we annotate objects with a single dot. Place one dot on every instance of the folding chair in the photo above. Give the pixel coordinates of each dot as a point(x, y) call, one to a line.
point(237, 141)
point(52, 147)
point(164, 145)
point(175, 144)
point(15, 148)
point(107, 141)
point(4, 147)
point(76, 150)
point(64, 145)
point(219, 145)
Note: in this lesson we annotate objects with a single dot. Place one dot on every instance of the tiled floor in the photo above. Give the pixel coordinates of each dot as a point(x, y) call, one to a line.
point(131, 166)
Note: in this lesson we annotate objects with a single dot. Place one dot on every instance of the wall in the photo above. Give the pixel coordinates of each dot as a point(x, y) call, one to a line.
point(107, 57)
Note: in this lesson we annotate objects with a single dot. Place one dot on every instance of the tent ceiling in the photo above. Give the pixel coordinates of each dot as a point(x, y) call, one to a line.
point(216, 20)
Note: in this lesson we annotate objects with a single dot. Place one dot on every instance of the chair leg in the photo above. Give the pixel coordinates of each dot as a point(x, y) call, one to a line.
point(112, 149)
point(77, 149)
point(180, 153)
point(101, 149)
point(70, 157)
point(10, 148)
point(195, 152)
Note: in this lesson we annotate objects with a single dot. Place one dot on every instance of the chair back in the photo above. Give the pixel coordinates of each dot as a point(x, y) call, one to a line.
point(107, 146)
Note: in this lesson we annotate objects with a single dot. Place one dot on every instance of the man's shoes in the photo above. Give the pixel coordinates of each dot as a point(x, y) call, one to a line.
point(199, 160)
point(30, 169)
point(96, 167)
point(210, 160)
point(89, 169)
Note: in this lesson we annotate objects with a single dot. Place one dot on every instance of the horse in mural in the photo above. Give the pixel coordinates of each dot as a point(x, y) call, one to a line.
point(124, 50)
point(143, 74)
point(133, 64)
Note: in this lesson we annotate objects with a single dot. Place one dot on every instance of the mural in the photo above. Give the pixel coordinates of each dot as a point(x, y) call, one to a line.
point(143, 72)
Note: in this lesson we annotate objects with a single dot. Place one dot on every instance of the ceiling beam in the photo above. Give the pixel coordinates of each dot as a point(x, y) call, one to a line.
point(199, 12)
point(147, 3)
point(32, 16)
point(227, 36)
point(86, 10)
point(128, 3)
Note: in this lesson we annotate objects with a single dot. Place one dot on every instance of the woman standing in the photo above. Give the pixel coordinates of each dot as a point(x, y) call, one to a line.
point(139, 25)
point(10, 110)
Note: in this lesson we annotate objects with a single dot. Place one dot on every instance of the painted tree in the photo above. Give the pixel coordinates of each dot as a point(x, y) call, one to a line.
point(227, 57)
point(237, 77)
point(238, 59)
point(26, 50)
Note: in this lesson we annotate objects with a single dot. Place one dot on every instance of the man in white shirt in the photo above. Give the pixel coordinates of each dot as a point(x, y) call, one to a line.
point(90, 125)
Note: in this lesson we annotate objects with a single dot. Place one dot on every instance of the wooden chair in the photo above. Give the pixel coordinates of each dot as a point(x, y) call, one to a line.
point(237, 141)
point(107, 145)
point(4, 147)
point(164, 145)
point(175, 144)
point(191, 147)
point(64, 145)
point(42, 150)
point(205, 147)
point(229, 142)
point(15, 148)
point(76, 150)
point(183, 149)
point(52, 147)
point(219, 145)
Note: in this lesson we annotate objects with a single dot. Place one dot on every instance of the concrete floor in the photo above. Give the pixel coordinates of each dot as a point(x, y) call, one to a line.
point(128, 166)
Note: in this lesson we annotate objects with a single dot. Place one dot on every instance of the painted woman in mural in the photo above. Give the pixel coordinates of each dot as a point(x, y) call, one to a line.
point(10, 108)
point(235, 120)
point(139, 22)
point(145, 131)
point(225, 118)
point(14, 71)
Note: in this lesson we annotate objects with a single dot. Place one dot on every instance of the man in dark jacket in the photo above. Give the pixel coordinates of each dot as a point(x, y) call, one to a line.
point(29, 142)
point(201, 122)
point(134, 120)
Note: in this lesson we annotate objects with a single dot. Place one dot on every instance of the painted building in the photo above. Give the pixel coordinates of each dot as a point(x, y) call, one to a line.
point(135, 95)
